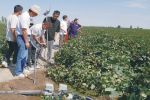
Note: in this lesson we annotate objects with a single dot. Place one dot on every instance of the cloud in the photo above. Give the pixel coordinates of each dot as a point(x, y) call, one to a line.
point(136, 5)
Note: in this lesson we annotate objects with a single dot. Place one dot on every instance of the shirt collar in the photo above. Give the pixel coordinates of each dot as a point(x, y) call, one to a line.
point(27, 14)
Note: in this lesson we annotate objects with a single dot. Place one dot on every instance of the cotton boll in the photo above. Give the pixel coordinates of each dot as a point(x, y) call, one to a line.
point(70, 97)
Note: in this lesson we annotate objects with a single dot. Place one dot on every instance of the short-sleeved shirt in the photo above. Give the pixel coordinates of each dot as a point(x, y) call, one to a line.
point(63, 27)
point(12, 21)
point(55, 28)
point(24, 22)
point(37, 30)
point(74, 28)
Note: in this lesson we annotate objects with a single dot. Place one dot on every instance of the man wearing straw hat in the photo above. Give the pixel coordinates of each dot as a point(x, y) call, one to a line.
point(23, 34)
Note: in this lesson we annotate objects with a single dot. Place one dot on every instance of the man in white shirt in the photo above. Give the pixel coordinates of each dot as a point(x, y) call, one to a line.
point(38, 39)
point(38, 32)
point(63, 30)
point(23, 33)
point(11, 35)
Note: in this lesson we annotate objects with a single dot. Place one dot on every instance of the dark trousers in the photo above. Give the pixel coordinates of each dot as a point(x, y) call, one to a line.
point(31, 53)
point(12, 50)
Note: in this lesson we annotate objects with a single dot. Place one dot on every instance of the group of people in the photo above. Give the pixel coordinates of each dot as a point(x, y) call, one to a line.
point(24, 37)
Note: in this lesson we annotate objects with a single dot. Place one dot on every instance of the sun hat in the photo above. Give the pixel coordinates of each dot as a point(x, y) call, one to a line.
point(36, 9)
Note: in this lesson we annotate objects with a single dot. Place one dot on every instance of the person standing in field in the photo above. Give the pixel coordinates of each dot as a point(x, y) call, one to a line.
point(52, 31)
point(68, 28)
point(23, 35)
point(37, 40)
point(11, 36)
point(74, 28)
point(63, 30)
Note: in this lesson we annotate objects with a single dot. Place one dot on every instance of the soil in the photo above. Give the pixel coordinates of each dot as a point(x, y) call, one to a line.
point(25, 84)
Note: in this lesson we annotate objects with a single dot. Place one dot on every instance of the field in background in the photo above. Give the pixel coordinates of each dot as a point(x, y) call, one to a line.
point(135, 34)
point(106, 61)
point(80, 60)
point(2, 40)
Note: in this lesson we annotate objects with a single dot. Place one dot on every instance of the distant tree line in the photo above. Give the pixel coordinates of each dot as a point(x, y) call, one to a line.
point(131, 27)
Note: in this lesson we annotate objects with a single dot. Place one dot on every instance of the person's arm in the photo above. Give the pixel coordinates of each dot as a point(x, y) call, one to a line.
point(36, 39)
point(79, 26)
point(14, 23)
point(79, 29)
point(34, 34)
point(13, 31)
point(25, 37)
point(25, 26)
point(42, 41)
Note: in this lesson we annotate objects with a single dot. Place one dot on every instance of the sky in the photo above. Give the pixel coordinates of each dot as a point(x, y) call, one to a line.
point(90, 12)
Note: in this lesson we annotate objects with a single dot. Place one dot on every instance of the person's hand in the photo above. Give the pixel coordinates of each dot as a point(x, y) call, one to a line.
point(27, 45)
point(14, 39)
point(43, 44)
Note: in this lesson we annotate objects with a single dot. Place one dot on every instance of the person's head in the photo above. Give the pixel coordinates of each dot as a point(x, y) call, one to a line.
point(34, 11)
point(76, 20)
point(18, 10)
point(46, 25)
point(56, 14)
point(65, 17)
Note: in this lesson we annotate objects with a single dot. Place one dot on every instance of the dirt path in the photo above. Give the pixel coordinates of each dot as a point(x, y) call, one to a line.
point(25, 84)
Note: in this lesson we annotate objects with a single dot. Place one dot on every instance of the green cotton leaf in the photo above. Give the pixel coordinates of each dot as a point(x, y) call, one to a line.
point(107, 58)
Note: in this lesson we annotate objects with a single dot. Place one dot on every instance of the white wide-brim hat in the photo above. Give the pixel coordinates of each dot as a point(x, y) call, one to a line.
point(36, 9)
